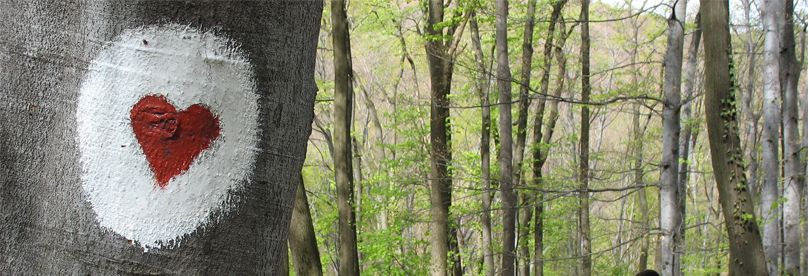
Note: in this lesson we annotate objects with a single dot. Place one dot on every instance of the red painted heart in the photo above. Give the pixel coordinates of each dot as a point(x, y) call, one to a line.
point(171, 140)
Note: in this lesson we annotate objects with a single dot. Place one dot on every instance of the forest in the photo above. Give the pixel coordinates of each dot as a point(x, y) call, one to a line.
point(556, 137)
point(403, 137)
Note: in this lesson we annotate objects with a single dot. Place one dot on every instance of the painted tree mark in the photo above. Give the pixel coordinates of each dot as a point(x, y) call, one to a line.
point(171, 139)
point(167, 125)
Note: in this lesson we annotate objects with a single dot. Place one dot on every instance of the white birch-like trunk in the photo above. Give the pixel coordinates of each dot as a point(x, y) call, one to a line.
point(671, 220)
point(773, 11)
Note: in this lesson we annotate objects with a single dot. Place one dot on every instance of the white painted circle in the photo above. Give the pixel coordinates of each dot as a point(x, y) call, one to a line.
point(186, 66)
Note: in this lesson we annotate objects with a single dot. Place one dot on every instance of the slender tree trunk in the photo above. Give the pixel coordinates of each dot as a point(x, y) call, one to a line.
point(482, 86)
point(302, 240)
point(685, 138)
point(643, 206)
point(749, 115)
point(584, 144)
point(440, 57)
point(526, 197)
point(540, 139)
point(772, 11)
point(506, 185)
point(671, 220)
point(794, 176)
point(49, 226)
point(348, 259)
point(746, 251)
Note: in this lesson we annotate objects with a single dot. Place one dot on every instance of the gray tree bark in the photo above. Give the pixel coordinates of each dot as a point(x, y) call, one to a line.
point(773, 12)
point(750, 117)
point(671, 220)
point(302, 239)
point(794, 176)
point(49, 227)
point(482, 85)
point(746, 251)
point(507, 195)
point(584, 144)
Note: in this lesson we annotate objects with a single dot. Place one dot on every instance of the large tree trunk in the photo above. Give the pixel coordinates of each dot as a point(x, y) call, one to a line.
point(482, 85)
point(506, 186)
point(440, 56)
point(671, 220)
point(302, 240)
point(772, 11)
point(56, 62)
point(686, 137)
point(348, 259)
point(584, 144)
point(526, 197)
point(794, 176)
point(540, 139)
point(746, 252)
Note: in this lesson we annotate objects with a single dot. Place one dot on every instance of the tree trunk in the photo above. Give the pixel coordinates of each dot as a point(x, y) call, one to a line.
point(772, 11)
point(685, 138)
point(506, 186)
point(540, 140)
point(302, 240)
point(57, 85)
point(440, 56)
point(482, 85)
point(794, 176)
point(671, 220)
point(519, 147)
point(749, 115)
point(348, 259)
point(584, 143)
point(746, 251)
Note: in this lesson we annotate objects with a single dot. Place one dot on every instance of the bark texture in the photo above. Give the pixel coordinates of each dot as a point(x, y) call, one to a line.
point(440, 47)
point(671, 220)
point(772, 11)
point(794, 176)
point(348, 259)
point(584, 144)
point(526, 212)
point(48, 226)
point(505, 157)
point(302, 239)
point(746, 251)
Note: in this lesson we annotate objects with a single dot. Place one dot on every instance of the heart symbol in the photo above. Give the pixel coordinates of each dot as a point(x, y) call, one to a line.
point(171, 140)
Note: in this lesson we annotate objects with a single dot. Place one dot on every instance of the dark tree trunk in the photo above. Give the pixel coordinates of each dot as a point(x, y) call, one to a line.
point(540, 139)
point(440, 49)
point(519, 147)
point(584, 144)
point(348, 258)
point(506, 186)
point(48, 225)
point(746, 251)
point(302, 239)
